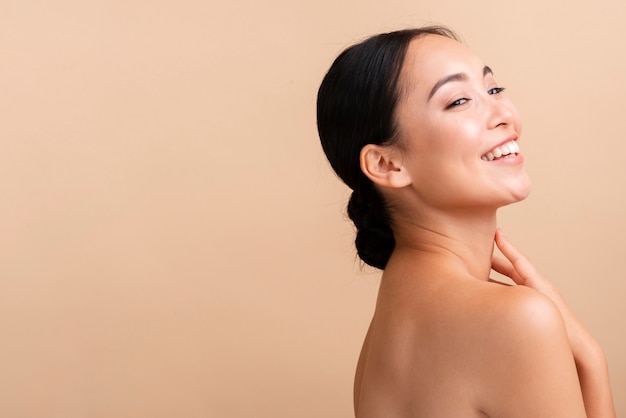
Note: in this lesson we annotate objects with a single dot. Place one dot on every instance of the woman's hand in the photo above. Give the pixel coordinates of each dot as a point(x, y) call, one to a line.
point(589, 358)
point(518, 268)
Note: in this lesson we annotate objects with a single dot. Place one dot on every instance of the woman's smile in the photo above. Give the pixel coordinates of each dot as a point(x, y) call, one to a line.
point(508, 150)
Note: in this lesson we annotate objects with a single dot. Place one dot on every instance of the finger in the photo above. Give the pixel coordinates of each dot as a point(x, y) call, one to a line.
point(498, 282)
point(506, 247)
point(504, 267)
point(522, 266)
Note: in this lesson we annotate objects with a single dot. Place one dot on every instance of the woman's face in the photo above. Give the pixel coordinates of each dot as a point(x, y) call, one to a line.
point(457, 130)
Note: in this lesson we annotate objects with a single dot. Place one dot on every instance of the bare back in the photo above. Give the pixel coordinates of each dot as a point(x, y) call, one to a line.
point(437, 347)
point(418, 358)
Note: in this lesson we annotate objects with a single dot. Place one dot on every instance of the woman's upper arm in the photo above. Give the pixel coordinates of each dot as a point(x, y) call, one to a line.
point(530, 367)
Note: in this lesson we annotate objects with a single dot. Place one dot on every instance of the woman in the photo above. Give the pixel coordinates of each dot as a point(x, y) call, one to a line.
point(417, 127)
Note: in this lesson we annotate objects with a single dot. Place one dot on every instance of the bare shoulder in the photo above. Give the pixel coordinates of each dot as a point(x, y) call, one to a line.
point(497, 313)
point(529, 368)
point(522, 311)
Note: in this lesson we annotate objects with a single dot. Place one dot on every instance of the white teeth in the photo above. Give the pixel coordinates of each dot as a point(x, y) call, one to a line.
point(509, 148)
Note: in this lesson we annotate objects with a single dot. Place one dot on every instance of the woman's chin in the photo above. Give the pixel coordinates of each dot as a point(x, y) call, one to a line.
point(519, 192)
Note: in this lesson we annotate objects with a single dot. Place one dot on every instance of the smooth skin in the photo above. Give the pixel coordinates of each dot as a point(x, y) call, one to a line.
point(445, 340)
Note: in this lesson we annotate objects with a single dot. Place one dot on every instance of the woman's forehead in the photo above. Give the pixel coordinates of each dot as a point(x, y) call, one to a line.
point(430, 58)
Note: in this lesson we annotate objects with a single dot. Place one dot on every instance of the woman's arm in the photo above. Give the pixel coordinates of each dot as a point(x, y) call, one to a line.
point(531, 370)
point(589, 358)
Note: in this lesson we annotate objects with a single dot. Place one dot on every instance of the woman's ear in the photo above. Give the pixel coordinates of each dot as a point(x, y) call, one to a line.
point(383, 165)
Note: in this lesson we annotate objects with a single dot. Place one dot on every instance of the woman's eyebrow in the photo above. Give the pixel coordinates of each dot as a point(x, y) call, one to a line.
point(447, 79)
point(455, 77)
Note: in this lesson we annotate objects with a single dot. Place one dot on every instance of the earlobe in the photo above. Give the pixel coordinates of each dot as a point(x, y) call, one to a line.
point(383, 166)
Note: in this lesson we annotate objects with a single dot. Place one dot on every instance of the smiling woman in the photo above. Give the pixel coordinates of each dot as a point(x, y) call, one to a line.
point(416, 125)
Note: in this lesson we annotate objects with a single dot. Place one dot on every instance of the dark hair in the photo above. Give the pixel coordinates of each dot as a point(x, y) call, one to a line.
point(356, 105)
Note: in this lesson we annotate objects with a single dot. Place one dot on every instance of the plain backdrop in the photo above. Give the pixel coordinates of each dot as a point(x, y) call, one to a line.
point(172, 240)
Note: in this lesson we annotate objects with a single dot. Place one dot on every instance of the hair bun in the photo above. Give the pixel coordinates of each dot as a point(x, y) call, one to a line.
point(374, 238)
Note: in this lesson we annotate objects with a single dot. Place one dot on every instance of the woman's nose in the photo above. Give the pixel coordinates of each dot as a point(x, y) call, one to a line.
point(501, 112)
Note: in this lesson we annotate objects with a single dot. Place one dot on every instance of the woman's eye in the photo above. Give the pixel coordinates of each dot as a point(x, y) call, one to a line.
point(457, 102)
point(495, 90)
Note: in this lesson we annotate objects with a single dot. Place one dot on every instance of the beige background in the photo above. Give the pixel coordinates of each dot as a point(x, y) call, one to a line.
point(172, 241)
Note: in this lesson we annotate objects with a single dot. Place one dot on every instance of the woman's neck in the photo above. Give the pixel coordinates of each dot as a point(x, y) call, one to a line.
point(464, 240)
